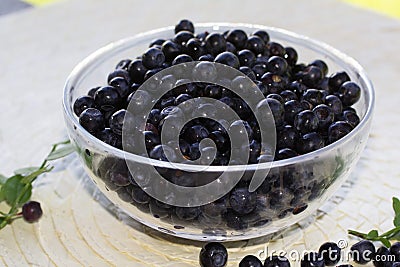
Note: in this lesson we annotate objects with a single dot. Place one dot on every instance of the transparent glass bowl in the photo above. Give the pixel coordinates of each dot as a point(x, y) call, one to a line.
point(293, 189)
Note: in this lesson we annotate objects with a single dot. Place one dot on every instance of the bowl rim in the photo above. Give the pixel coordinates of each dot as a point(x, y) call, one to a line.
point(306, 41)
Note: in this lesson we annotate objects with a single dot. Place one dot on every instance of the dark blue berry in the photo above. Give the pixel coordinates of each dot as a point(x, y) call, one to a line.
point(82, 103)
point(312, 259)
point(349, 93)
point(31, 211)
point(109, 137)
point(186, 213)
point(255, 44)
point(277, 65)
point(395, 250)
point(276, 49)
point(184, 25)
point(363, 251)
point(117, 121)
point(118, 73)
point(259, 70)
point(183, 58)
point(228, 58)
point(122, 86)
point(292, 108)
point(288, 95)
point(313, 96)
point(383, 258)
point(291, 56)
point(156, 42)
point(230, 48)
point(140, 196)
point(248, 72)
point(336, 80)
point(151, 139)
point(196, 133)
point(207, 57)
point(123, 64)
point(107, 98)
point(338, 130)
point(246, 58)
point(171, 50)
point(325, 116)
point(306, 121)
point(195, 48)
point(286, 153)
point(242, 201)
point(237, 37)
point(213, 255)
point(351, 117)
point(287, 137)
point(92, 120)
point(320, 64)
point(262, 34)
point(250, 261)
point(137, 71)
point(92, 91)
point(312, 76)
point(309, 142)
point(153, 58)
point(215, 43)
point(334, 103)
point(330, 252)
point(276, 261)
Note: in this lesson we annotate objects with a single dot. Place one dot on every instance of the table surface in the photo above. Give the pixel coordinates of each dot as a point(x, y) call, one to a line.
point(39, 48)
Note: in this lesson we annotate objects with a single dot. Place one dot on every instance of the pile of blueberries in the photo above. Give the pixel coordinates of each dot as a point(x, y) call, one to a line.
point(310, 109)
point(329, 254)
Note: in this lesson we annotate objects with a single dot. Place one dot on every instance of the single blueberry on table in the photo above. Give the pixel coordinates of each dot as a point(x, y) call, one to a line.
point(31, 211)
point(213, 255)
point(330, 252)
point(250, 261)
point(276, 261)
point(363, 251)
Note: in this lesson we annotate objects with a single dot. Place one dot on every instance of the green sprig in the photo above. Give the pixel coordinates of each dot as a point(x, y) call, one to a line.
point(393, 234)
point(16, 190)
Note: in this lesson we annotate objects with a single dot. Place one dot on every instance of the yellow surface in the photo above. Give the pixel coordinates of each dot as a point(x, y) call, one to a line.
point(39, 2)
point(388, 7)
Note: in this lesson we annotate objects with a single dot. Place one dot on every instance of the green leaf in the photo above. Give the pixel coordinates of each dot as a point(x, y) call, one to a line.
point(27, 170)
point(396, 220)
point(385, 242)
point(3, 179)
point(13, 188)
point(61, 152)
point(1, 195)
point(372, 234)
point(396, 205)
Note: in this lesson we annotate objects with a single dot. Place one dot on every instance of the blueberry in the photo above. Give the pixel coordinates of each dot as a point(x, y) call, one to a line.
point(184, 25)
point(287, 137)
point(334, 103)
point(170, 50)
point(306, 121)
point(215, 43)
point(349, 93)
point(31, 211)
point(320, 64)
point(312, 76)
point(235, 221)
point(118, 73)
point(182, 37)
point(237, 37)
point(288, 95)
point(160, 152)
point(310, 142)
point(312, 259)
point(259, 70)
point(250, 261)
point(242, 201)
point(276, 261)
point(228, 58)
point(117, 121)
point(292, 108)
point(123, 64)
point(277, 65)
point(291, 56)
point(246, 58)
point(238, 133)
point(195, 48)
point(220, 140)
point(338, 130)
point(137, 71)
point(325, 116)
point(363, 251)
point(230, 48)
point(351, 117)
point(330, 252)
point(196, 133)
point(248, 72)
point(92, 120)
point(109, 137)
point(183, 58)
point(213, 255)
point(107, 98)
point(207, 57)
point(336, 80)
point(186, 213)
point(286, 153)
point(151, 139)
point(276, 49)
point(395, 250)
point(382, 258)
point(156, 42)
point(92, 91)
point(263, 35)
point(313, 96)
point(277, 110)
point(153, 58)
point(297, 87)
point(122, 86)
point(82, 103)
point(255, 44)
point(140, 196)
point(274, 82)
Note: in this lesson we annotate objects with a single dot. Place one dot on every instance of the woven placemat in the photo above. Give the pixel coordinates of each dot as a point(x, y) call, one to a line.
point(81, 228)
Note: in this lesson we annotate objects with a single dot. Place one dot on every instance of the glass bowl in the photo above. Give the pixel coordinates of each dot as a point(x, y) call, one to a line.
point(293, 189)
